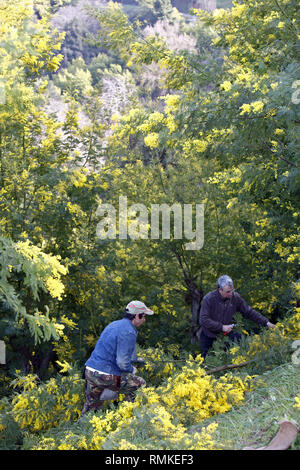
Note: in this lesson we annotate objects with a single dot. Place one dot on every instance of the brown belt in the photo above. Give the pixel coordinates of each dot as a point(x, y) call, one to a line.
point(117, 380)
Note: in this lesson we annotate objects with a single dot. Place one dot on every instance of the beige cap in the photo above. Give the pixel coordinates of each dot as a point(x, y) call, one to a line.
point(135, 306)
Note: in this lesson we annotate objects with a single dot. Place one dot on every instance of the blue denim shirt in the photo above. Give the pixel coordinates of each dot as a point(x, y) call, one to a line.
point(115, 349)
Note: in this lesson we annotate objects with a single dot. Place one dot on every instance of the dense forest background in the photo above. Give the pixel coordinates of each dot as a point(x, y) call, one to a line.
point(182, 102)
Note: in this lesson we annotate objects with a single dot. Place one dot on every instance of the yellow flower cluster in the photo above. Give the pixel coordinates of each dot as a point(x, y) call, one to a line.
point(41, 407)
point(171, 109)
point(172, 101)
point(297, 400)
point(152, 140)
point(160, 414)
point(152, 120)
point(194, 394)
point(156, 367)
point(288, 329)
point(79, 178)
point(255, 107)
point(50, 269)
point(226, 85)
point(238, 9)
point(224, 178)
point(195, 146)
point(26, 382)
point(63, 347)
point(291, 327)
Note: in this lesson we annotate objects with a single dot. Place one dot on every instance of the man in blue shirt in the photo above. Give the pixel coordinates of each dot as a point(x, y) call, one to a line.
point(110, 364)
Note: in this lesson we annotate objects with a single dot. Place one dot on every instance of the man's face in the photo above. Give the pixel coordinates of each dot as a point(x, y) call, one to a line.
point(137, 321)
point(227, 292)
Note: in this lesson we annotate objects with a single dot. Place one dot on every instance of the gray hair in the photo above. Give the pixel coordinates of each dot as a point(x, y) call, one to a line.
point(224, 281)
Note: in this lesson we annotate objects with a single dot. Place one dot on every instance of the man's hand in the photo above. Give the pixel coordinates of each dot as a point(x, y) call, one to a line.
point(139, 362)
point(134, 370)
point(227, 328)
point(270, 325)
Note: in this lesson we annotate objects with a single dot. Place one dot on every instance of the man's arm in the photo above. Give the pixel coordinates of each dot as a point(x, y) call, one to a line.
point(252, 314)
point(125, 351)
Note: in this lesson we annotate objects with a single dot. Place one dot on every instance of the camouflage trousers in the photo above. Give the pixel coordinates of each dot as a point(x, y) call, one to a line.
point(95, 383)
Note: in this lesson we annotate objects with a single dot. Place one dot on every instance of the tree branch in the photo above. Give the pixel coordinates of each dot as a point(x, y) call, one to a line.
point(280, 156)
point(229, 366)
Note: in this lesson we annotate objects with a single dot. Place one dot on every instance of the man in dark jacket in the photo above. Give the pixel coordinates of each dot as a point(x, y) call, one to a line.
point(217, 311)
point(110, 364)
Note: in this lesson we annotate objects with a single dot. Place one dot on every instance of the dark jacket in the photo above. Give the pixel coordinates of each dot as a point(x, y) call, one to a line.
point(216, 311)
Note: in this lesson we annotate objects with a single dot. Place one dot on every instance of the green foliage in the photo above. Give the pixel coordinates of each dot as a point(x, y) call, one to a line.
point(45, 415)
point(257, 421)
point(32, 270)
point(42, 208)
point(264, 350)
point(159, 9)
point(218, 126)
point(37, 407)
point(76, 80)
point(257, 206)
point(45, 7)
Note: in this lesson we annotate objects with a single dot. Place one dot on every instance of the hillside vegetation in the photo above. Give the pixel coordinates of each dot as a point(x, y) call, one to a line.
point(140, 103)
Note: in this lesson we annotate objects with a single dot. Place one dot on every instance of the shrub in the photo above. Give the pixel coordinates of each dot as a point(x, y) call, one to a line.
point(158, 419)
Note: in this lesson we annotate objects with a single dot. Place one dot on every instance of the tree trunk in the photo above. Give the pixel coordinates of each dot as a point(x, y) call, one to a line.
point(194, 297)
